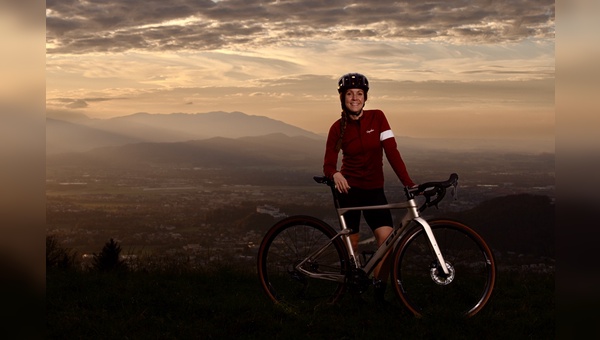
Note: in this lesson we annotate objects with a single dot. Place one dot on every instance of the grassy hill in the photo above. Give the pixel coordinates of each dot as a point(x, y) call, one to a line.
point(226, 303)
point(224, 300)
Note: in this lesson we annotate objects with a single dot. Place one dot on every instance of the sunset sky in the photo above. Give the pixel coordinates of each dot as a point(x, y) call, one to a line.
point(468, 69)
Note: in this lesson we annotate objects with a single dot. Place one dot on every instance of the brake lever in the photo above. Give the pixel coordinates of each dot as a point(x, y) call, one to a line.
point(454, 191)
point(439, 196)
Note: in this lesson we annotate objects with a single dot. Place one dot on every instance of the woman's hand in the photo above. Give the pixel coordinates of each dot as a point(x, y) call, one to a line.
point(341, 183)
point(414, 189)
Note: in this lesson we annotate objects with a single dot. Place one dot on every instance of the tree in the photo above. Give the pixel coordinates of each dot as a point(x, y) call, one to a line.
point(109, 259)
point(58, 256)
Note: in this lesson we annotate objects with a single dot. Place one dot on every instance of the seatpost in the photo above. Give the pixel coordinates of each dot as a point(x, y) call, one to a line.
point(345, 231)
point(346, 238)
point(335, 194)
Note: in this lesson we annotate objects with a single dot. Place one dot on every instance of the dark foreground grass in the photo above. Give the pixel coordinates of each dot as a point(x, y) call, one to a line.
point(225, 303)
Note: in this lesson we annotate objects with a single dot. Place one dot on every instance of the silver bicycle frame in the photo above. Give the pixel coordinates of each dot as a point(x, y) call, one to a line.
point(412, 215)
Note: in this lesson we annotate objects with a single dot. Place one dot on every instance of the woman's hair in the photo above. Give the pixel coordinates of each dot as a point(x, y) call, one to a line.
point(343, 123)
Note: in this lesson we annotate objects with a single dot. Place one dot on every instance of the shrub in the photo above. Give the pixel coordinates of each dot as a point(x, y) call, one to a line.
point(58, 256)
point(109, 259)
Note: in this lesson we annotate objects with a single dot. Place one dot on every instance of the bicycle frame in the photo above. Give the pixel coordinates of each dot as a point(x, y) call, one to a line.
point(412, 215)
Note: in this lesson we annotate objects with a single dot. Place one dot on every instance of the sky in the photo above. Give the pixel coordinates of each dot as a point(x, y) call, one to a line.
point(459, 69)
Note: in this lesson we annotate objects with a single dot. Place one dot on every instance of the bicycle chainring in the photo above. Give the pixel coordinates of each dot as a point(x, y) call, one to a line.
point(358, 281)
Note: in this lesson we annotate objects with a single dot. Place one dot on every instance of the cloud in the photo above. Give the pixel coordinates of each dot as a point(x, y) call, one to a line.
point(472, 63)
point(76, 103)
point(157, 25)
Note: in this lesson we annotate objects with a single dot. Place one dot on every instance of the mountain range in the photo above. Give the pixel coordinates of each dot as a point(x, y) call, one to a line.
point(77, 133)
point(69, 132)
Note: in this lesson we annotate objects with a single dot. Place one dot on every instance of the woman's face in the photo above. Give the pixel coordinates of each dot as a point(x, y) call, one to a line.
point(354, 100)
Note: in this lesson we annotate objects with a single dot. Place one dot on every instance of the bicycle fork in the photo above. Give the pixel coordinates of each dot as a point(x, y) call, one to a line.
point(434, 246)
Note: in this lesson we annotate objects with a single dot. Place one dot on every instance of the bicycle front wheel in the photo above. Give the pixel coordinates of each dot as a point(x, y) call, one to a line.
point(285, 246)
point(420, 282)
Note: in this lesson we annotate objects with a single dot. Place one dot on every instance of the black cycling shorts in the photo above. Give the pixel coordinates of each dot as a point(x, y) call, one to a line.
point(363, 197)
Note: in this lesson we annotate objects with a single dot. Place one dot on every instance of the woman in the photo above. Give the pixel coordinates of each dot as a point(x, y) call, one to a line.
point(363, 136)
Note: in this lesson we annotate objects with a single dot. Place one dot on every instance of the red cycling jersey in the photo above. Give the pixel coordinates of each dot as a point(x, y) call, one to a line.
point(363, 145)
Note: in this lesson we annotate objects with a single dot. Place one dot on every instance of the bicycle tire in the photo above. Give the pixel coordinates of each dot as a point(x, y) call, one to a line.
point(284, 246)
point(416, 271)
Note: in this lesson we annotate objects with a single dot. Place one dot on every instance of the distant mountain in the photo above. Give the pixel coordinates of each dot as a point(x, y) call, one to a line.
point(76, 133)
point(65, 136)
point(274, 150)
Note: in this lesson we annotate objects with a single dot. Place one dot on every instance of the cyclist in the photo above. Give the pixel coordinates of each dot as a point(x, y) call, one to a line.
point(363, 136)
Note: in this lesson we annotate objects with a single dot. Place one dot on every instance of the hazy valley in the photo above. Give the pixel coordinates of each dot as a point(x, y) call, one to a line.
point(212, 198)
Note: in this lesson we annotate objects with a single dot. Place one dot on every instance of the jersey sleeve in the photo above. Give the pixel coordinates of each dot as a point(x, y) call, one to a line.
point(390, 147)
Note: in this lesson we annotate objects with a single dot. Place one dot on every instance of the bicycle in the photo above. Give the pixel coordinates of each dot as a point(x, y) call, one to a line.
point(437, 266)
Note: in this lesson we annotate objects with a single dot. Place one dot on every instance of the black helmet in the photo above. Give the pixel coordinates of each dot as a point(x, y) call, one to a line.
point(353, 81)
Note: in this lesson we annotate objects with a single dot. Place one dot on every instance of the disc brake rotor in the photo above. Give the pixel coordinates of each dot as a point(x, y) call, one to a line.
point(438, 276)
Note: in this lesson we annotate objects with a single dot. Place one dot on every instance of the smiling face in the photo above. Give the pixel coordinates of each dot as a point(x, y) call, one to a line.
point(354, 99)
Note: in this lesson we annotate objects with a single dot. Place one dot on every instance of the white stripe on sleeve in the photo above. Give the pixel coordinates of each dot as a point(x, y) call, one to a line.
point(385, 135)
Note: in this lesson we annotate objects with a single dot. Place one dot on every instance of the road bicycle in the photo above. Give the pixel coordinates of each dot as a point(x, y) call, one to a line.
point(437, 266)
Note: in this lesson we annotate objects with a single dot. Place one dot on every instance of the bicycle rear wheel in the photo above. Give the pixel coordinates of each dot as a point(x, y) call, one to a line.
point(420, 282)
point(288, 243)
